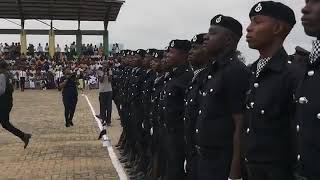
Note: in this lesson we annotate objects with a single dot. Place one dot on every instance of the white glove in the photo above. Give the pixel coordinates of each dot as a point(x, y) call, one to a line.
point(142, 125)
point(151, 131)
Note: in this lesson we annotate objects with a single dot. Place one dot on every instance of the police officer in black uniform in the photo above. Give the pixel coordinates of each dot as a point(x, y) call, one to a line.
point(157, 149)
point(124, 114)
point(218, 124)
point(308, 98)
point(6, 90)
point(147, 85)
point(269, 149)
point(172, 96)
point(199, 60)
point(69, 95)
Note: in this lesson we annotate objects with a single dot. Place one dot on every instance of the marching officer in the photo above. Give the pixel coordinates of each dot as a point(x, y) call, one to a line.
point(308, 98)
point(270, 104)
point(219, 120)
point(172, 97)
point(6, 90)
point(69, 95)
point(199, 61)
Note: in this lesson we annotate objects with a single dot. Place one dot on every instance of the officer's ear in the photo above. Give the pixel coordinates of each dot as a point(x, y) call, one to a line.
point(281, 29)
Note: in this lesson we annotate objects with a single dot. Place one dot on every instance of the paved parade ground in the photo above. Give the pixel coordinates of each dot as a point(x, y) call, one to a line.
point(56, 152)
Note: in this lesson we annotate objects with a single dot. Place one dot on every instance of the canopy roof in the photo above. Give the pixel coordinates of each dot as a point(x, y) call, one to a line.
point(83, 10)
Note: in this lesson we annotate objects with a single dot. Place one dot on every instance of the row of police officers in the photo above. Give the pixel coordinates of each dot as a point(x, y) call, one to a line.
point(195, 111)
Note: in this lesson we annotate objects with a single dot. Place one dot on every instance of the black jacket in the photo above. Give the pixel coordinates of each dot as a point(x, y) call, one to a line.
point(308, 119)
point(173, 96)
point(270, 109)
point(222, 95)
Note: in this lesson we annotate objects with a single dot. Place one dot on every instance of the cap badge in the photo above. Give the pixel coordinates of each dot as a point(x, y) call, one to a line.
point(194, 39)
point(258, 8)
point(218, 20)
point(172, 44)
point(156, 55)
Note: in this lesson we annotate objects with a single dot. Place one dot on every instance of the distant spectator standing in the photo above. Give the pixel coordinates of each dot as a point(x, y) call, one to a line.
point(39, 49)
point(1, 48)
point(58, 49)
point(23, 77)
point(30, 50)
point(46, 50)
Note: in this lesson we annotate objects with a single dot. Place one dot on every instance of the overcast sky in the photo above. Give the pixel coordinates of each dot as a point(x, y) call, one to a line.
point(153, 23)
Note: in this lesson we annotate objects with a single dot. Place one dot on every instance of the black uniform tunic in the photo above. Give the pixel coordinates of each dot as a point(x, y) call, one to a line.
point(190, 114)
point(270, 104)
point(173, 96)
point(222, 94)
point(308, 121)
point(270, 111)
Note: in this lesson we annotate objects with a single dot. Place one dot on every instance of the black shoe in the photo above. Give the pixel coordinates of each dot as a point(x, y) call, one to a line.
point(26, 139)
point(67, 124)
point(127, 166)
point(71, 123)
point(103, 132)
point(140, 175)
point(98, 116)
point(109, 124)
point(123, 161)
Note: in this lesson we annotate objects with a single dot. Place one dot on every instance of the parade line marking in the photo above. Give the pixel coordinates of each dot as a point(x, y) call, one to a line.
point(106, 143)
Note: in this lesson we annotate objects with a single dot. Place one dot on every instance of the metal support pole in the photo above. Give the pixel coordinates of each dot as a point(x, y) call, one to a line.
point(79, 42)
point(106, 39)
point(23, 39)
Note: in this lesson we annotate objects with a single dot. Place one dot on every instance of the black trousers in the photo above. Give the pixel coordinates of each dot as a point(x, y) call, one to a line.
point(213, 164)
point(70, 104)
point(270, 171)
point(175, 155)
point(22, 83)
point(5, 122)
point(105, 99)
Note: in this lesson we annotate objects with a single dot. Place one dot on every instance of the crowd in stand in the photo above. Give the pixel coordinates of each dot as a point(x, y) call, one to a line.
point(39, 71)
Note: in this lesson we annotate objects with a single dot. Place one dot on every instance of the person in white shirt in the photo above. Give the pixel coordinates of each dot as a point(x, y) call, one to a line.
point(22, 77)
point(58, 76)
point(58, 49)
point(46, 49)
point(39, 49)
point(1, 48)
point(105, 93)
point(6, 90)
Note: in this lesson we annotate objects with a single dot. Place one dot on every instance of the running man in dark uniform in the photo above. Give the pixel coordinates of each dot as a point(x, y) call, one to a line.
point(6, 90)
